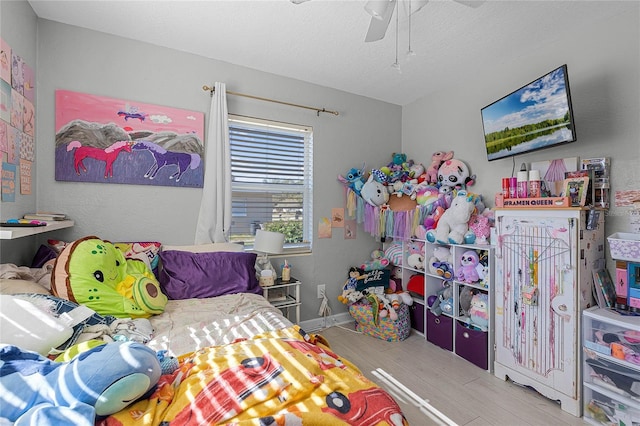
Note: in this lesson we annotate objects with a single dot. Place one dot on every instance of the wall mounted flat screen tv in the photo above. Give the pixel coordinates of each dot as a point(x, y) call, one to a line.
point(536, 116)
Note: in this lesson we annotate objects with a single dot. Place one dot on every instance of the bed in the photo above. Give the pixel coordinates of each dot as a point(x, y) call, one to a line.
point(192, 324)
point(237, 359)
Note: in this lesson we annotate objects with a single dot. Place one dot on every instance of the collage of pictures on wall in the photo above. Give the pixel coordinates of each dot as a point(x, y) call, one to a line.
point(17, 122)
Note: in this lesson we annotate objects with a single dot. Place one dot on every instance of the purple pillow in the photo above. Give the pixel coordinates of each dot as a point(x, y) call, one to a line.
point(185, 275)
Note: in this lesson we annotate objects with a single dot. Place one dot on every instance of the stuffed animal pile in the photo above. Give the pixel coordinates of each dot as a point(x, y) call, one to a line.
point(405, 185)
point(404, 199)
point(371, 282)
point(403, 177)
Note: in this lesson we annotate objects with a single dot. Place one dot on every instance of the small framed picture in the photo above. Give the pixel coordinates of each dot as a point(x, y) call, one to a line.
point(590, 190)
point(576, 189)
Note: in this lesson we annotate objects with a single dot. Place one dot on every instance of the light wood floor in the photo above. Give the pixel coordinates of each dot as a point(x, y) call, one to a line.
point(460, 390)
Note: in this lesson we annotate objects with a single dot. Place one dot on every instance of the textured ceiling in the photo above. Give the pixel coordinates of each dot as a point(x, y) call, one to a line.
point(322, 41)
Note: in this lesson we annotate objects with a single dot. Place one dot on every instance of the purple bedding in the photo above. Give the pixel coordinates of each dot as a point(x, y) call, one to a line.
point(185, 275)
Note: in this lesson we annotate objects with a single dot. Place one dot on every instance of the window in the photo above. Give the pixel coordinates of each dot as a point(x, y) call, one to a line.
point(271, 171)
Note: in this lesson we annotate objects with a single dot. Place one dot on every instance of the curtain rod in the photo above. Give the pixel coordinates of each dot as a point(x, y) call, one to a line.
point(212, 89)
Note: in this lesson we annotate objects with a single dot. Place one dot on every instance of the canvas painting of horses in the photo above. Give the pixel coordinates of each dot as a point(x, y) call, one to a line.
point(101, 139)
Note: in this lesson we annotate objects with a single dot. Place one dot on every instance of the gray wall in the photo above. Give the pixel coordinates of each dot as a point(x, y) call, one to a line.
point(76, 59)
point(603, 62)
point(18, 27)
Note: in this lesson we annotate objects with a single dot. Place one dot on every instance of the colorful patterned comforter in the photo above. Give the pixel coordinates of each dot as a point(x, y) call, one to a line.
point(281, 377)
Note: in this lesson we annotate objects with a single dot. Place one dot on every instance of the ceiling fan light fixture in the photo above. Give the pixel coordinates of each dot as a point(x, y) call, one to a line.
point(377, 8)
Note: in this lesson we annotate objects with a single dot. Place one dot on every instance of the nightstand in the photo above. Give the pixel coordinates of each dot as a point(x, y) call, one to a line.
point(284, 295)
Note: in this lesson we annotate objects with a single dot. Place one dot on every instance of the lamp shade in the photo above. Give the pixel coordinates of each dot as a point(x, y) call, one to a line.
point(269, 242)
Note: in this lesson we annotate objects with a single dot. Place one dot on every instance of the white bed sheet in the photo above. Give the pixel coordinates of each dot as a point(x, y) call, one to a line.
point(190, 324)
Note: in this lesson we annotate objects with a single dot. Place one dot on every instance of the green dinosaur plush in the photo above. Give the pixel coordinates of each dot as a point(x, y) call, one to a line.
point(94, 273)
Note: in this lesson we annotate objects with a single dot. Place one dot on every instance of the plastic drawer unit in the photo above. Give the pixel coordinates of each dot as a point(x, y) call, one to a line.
point(611, 367)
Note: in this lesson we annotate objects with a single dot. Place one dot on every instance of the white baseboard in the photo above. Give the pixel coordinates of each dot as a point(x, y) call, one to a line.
point(317, 324)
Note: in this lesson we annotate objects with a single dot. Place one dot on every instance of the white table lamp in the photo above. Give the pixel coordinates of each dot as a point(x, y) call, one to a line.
point(266, 243)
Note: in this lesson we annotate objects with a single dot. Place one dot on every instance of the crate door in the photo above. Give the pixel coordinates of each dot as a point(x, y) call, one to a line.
point(535, 300)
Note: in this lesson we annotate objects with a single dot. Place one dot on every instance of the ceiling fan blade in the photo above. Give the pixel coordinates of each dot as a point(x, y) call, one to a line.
point(471, 3)
point(378, 27)
point(413, 6)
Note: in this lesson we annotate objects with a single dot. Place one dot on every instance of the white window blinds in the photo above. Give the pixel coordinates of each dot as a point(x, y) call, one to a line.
point(271, 181)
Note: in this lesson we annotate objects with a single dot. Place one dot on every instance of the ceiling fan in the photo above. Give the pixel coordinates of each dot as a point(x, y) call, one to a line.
point(381, 12)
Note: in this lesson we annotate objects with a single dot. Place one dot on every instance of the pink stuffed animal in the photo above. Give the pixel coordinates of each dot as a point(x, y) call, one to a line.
point(481, 227)
point(436, 160)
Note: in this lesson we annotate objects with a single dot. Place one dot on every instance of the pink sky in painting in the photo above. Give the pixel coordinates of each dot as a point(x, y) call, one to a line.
point(100, 109)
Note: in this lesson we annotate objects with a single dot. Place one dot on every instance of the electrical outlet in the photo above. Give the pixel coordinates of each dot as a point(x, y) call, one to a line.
point(321, 293)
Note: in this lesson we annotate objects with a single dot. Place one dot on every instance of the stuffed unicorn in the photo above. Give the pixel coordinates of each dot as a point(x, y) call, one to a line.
point(454, 223)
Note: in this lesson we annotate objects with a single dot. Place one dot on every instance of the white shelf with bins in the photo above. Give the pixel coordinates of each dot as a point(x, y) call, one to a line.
point(451, 330)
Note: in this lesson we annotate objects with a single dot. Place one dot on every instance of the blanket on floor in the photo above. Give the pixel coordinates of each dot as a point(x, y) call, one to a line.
point(280, 377)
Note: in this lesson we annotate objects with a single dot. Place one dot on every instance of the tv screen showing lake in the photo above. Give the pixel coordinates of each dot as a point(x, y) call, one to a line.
point(536, 116)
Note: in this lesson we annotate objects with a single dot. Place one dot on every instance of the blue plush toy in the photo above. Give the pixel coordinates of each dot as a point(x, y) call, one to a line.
point(354, 179)
point(98, 382)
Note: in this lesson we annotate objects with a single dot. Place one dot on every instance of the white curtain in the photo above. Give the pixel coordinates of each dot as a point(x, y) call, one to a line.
point(214, 220)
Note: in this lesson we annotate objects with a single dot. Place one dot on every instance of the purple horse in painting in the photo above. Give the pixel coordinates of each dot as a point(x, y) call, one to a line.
point(108, 155)
point(162, 158)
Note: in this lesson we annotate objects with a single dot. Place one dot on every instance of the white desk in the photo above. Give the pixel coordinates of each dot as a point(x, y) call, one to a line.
point(11, 233)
